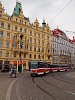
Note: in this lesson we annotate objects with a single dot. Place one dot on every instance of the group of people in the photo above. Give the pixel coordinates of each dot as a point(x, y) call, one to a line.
point(12, 72)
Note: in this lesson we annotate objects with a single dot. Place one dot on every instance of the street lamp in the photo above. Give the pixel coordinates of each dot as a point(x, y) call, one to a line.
point(20, 53)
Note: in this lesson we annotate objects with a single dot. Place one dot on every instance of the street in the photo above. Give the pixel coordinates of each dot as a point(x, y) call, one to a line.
point(53, 86)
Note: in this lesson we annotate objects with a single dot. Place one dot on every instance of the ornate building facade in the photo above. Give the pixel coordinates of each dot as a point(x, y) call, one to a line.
point(21, 41)
point(63, 48)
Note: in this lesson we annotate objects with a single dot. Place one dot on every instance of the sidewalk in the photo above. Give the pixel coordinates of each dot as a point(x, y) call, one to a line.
point(5, 81)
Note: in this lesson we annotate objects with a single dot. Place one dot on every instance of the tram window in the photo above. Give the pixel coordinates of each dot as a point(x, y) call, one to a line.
point(40, 65)
point(34, 65)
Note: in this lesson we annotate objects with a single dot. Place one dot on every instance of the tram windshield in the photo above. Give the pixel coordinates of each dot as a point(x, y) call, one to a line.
point(33, 65)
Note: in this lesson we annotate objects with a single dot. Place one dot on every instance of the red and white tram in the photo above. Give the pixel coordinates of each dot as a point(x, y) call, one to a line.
point(38, 67)
point(58, 67)
point(42, 67)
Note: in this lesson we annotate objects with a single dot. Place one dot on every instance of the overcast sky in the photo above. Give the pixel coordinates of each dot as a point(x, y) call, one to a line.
point(55, 12)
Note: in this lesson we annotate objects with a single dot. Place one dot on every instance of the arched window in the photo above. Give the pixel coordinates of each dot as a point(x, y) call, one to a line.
point(2, 24)
point(8, 26)
point(7, 54)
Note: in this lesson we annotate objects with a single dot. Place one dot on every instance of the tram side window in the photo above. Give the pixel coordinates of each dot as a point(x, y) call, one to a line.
point(40, 65)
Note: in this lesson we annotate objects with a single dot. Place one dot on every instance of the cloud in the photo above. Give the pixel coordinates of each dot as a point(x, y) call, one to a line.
point(46, 9)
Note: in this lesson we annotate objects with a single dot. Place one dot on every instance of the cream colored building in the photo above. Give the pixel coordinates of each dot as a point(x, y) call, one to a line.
point(21, 41)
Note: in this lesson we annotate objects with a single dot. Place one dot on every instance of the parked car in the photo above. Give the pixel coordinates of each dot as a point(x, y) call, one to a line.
point(5, 70)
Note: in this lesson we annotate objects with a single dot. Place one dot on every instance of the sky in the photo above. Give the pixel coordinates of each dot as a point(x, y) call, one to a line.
point(59, 13)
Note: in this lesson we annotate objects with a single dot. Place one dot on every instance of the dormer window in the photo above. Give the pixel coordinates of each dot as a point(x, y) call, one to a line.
point(19, 10)
point(16, 19)
point(25, 23)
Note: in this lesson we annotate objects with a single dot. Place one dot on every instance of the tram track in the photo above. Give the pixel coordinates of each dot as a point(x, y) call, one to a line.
point(62, 79)
point(47, 85)
point(46, 92)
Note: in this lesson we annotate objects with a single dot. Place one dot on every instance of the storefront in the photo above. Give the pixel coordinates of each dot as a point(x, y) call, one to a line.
point(1, 63)
point(19, 65)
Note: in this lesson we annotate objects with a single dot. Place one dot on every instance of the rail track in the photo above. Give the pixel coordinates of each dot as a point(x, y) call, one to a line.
point(55, 86)
point(42, 89)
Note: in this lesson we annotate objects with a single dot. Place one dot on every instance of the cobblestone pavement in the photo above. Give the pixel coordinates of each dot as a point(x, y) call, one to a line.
point(54, 86)
point(5, 81)
point(26, 89)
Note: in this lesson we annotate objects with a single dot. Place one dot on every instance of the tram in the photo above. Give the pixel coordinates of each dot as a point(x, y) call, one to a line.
point(38, 67)
point(42, 67)
point(58, 67)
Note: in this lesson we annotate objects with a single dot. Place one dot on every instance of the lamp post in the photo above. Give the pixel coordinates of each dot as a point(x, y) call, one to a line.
point(20, 53)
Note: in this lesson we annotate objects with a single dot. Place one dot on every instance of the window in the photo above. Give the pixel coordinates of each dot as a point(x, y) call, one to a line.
point(0, 13)
point(15, 28)
point(0, 53)
point(7, 44)
point(34, 41)
point(25, 31)
point(15, 45)
point(38, 49)
point(30, 40)
point(25, 23)
point(30, 48)
point(16, 19)
point(2, 24)
point(42, 49)
point(7, 54)
point(8, 26)
point(34, 48)
point(1, 34)
point(20, 29)
point(35, 56)
point(42, 43)
point(47, 37)
point(20, 21)
point(15, 36)
point(30, 32)
point(14, 54)
point(48, 50)
point(34, 34)
point(1, 43)
point(38, 42)
point(30, 56)
point(38, 56)
point(8, 35)
point(24, 55)
point(43, 57)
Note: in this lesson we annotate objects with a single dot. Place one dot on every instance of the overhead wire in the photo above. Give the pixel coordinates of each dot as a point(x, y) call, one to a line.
point(60, 11)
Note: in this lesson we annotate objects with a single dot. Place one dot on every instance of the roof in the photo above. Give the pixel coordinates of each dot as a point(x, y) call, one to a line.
point(73, 40)
point(17, 9)
point(58, 32)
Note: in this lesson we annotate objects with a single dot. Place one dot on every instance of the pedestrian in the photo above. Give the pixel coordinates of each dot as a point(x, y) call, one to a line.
point(10, 72)
point(13, 72)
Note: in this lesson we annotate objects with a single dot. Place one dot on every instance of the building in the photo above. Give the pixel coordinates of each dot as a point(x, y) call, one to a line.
point(21, 41)
point(73, 52)
point(63, 48)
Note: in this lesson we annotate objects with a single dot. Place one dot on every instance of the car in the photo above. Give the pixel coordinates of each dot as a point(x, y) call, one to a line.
point(5, 70)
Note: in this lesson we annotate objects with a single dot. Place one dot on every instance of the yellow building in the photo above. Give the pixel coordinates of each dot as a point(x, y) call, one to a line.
point(21, 41)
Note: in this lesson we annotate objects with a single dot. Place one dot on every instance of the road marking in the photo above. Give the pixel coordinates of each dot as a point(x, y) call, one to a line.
point(9, 89)
point(71, 92)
